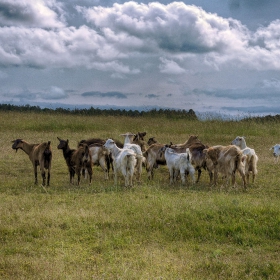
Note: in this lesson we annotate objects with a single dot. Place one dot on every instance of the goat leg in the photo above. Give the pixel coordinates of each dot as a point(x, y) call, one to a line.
point(198, 174)
point(49, 177)
point(43, 173)
point(35, 174)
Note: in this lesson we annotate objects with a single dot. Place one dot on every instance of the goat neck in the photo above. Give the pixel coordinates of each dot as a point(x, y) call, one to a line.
point(128, 137)
point(115, 151)
point(26, 147)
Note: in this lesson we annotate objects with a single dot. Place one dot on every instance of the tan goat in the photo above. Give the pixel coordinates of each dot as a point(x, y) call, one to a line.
point(227, 160)
point(39, 154)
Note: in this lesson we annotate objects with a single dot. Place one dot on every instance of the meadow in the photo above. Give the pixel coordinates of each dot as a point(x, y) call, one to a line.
point(150, 231)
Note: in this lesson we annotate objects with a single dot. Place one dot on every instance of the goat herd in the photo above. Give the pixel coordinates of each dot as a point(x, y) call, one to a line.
point(129, 157)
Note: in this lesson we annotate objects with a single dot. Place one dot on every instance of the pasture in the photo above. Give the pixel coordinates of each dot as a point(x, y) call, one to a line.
point(150, 231)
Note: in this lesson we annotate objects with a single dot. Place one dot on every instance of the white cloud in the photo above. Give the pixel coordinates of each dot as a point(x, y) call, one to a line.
point(54, 93)
point(170, 67)
point(39, 13)
point(126, 31)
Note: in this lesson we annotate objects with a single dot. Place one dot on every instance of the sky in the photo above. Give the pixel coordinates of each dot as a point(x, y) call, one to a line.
point(218, 56)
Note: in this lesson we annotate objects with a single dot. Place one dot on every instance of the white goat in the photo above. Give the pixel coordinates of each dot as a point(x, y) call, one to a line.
point(137, 149)
point(124, 161)
point(252, 158)
point(276, 151)
point(178, 163)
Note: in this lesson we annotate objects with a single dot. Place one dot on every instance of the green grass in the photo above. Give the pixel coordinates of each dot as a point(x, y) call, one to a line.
point(150, 231)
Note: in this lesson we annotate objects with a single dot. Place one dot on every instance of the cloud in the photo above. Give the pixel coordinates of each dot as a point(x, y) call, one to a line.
point(39, 13)
point(112, 94)
point(175, 27)
point(170, 67)
point(35, 34)
point(261, 92)
point(152, 96)
point(51, 94)
point(54, 93)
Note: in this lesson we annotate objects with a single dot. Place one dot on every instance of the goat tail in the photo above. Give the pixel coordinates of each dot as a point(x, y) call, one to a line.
point(188, 152)
point(254, 164)
point(130, 163)
point(238, 163)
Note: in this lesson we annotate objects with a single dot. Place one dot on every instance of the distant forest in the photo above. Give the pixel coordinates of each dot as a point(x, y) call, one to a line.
point(168, 113)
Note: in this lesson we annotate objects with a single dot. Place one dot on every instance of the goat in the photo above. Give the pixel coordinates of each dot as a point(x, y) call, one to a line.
point(124, 161)
point(154, 158)
point(136, 148)
point(252, 158)
point(139, 140)
point(276, 152)
point(39, 154)
point(82, 160)
point(139, 136)
point(178, 163)
point(227, 160)
point(100, 156)
point(67, 154)
point(151, 141)
point(99, 141)
point(198, 159)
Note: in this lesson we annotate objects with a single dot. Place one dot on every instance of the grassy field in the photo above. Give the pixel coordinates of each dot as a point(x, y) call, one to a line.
point(150, 231)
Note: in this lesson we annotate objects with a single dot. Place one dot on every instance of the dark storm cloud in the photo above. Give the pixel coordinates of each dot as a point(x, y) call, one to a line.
point(111, 94)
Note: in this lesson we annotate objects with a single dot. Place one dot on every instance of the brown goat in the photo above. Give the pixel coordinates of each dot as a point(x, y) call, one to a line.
point(82, 160)
point(154, 158)
point(139, 136)
point(99, 141)
point(67, 153)
point(151, 141)
point(39, 154)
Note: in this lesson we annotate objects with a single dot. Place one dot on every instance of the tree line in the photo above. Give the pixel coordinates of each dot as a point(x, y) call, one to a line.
point(168, 113)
